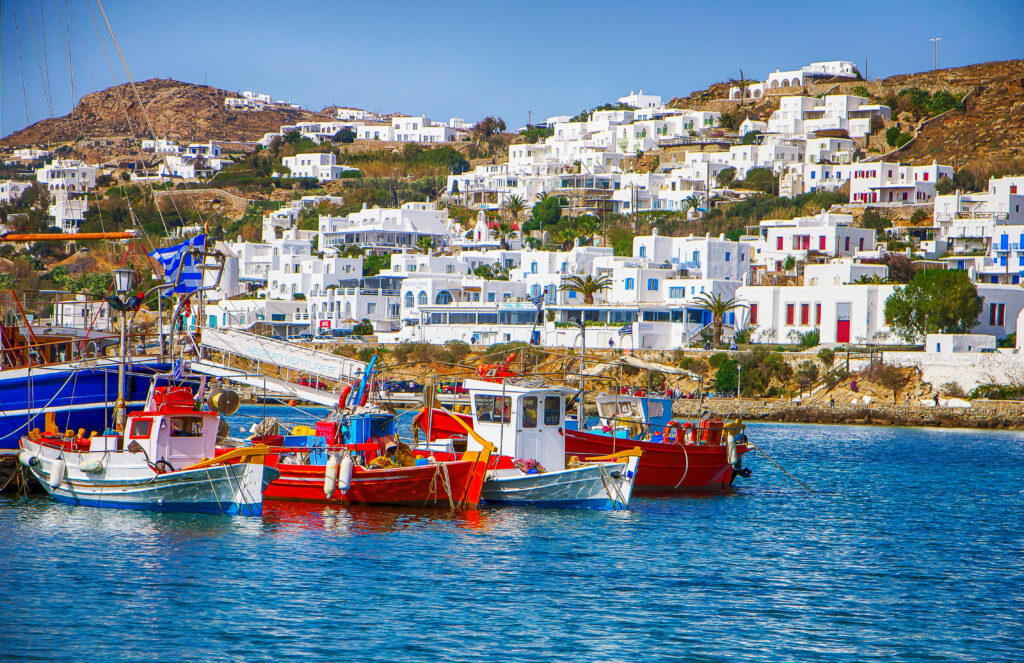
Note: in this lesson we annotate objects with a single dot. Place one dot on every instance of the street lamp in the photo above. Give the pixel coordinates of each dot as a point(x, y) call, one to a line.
point(124, 279)
point(935, 52)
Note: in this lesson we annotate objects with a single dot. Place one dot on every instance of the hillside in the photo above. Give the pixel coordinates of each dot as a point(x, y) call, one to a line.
point(180, 111)
point(989, 128)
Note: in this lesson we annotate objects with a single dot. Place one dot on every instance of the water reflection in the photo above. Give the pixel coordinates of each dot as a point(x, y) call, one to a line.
point(292, 517)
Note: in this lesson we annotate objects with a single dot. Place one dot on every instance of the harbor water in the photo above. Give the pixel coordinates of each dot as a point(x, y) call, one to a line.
point(909, 548)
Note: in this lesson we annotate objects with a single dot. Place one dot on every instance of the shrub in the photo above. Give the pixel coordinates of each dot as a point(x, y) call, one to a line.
point(726, 375)
point(454, 351)
point(953, 389)
point(695, 365)
point(998, 392)
point(827, 357)
point(366, 353)
point(744, 335)
point(716, 360)
point(364, 328)
point(892, 134)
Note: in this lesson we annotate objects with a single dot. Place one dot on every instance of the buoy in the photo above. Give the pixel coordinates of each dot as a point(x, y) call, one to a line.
point(91, 465)
point(345, 473)
point(26, 458)
point(57, 473)
point(331, 475)
point(344, 395)
point(292, 402)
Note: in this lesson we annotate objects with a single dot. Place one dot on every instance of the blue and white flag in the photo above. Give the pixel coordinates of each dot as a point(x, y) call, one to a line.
point(626, 330)
point(538, 301)
point(179, 369)
point(176, 258)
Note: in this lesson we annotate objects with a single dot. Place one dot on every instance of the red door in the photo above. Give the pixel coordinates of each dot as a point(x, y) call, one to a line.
point(842, 331)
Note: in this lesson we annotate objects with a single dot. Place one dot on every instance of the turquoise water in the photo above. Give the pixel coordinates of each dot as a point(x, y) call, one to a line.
point(911, 550)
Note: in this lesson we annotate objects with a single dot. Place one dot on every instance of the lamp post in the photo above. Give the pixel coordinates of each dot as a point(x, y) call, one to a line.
point(580, 409)
point(123, 281)
point(935, 52)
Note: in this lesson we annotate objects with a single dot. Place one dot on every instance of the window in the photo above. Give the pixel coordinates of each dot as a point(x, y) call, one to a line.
point(821, 243)
point(805, 314)
point(860, 244)
point(643, 251)
point(727, 255)
point(789, 313)
point(847, 244)
point(141, 427)
point(493, 409)
point(410, 300)
point(778, 243)
point(371, 308)
point(277, 317)
point(817, 314)
point(753, 314)
point(422, 299)
point(529, 404)
point(552, 410)
point(680, 292)
point(652, 284)
point(490, 296)
point(630, 284)
point(186, 427)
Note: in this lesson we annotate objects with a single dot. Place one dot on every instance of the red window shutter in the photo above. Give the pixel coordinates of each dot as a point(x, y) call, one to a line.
point(753, 314)
point(821, 243)
point(779, 243)
point(992, 314)
point(860, 244)
point(1013, 188)
point(805, 314)
point(847, 243)
point(817, 314)
point(789, 314)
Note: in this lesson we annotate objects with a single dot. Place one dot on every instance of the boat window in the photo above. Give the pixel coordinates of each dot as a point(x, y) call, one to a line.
point(493, 409)
point(186, 427)
point(141, 427)
point(655, 409)
point(552, 410)
point(529, 412)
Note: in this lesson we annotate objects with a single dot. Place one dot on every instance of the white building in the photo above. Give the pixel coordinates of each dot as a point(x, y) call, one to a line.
point(12, 190)
point(161, 146)
point(826, 233)
point(386, 230)
point(885, 183)
point(838, 112)
point(322, 166)
point(641, 100)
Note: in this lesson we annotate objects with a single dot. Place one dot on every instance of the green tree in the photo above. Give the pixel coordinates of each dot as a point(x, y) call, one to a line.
point(364, 328)
point(547, 211)
point(344, 136)
point(373, 263)
point(727, 376)
point(503, 231)
point(587, 286)
point(692, 202)
point(945, 186)
point(935, 301)
point(726, 176)
point(718, 307)
point(891, 135)
point(806, 374)
point(514, 206)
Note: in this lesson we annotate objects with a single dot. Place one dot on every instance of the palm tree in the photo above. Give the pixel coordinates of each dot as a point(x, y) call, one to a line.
point(718, 308)
point(587, 286)
point(514, 206)
point(692, 202)
point(742, 83)
point(503, 231)
point(566, 236)
point(425, 244)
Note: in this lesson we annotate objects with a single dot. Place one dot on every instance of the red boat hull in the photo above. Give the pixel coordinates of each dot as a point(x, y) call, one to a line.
point(455, 483)
point(663, 467)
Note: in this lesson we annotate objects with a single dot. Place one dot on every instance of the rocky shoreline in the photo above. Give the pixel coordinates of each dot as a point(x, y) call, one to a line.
point(981, 414)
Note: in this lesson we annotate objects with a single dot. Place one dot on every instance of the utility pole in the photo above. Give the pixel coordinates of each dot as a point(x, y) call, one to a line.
point(935, 52)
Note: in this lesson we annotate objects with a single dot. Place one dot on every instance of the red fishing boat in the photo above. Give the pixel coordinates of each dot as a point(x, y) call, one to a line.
point(702, 456)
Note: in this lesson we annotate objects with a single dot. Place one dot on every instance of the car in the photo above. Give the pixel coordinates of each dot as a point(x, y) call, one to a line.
point(402, 386)
point(453, 388)
point(300, 338)
point(311, 382)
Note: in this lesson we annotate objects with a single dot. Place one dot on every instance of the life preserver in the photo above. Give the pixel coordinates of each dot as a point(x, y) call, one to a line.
point(689, 433)
point(678, 428)
point(344, 395)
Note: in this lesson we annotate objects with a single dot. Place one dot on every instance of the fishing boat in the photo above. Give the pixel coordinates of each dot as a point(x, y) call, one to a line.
point(525, 421)
point(164, 460)
point(356, 457)
point(705, 455)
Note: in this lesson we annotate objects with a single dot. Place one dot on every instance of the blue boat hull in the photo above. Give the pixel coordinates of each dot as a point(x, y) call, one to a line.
point(80, 397)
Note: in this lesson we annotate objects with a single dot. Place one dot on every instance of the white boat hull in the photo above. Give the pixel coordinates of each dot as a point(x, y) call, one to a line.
point(604, 486)
point(124, 480)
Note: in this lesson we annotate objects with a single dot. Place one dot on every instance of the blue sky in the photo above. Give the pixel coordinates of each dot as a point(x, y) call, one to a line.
point(471, 59)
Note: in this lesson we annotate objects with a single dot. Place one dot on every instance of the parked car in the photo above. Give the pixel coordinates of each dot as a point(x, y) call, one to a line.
point(453, 388)
point(402, 386)
point(301, 338)
point(311, 382)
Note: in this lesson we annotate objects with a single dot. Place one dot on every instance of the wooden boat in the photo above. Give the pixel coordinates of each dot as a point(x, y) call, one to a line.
point(165, 460)
point(361, 462)
point(702, 456)
point(526, 423)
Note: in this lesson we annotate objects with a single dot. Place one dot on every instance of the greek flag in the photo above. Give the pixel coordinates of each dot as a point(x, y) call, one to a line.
point(176, 258)
point(179, 369)
point(626, 330)
point(538, 301)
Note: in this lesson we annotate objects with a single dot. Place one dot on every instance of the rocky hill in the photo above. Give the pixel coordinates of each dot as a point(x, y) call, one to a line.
point(181, 111)
point(988, 129)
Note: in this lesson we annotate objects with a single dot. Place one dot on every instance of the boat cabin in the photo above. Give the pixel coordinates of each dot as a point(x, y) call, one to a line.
point(628, 416)
point(522, 422)
point(169, 429)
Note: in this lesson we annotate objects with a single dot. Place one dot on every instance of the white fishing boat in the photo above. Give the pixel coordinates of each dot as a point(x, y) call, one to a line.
point(526, 422)
point(165, 460)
